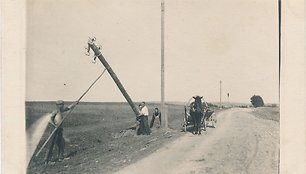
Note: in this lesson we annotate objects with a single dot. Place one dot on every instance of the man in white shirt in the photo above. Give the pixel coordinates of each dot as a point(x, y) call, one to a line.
point(144, 124)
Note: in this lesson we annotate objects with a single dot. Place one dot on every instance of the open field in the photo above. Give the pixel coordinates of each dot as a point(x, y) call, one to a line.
point(98, 142)
point(268, 113)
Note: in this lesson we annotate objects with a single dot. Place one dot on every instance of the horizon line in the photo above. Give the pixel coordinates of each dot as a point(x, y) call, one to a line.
point(213, 102)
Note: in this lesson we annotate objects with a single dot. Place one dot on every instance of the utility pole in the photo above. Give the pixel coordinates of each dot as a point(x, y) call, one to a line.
point(163, 108)
point(98, 54)
point(228, 95)
point(279, 46)
point(220, 93)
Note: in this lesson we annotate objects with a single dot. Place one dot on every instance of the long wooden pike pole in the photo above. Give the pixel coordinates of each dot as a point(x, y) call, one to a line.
point(60, 123)
point(98, 54)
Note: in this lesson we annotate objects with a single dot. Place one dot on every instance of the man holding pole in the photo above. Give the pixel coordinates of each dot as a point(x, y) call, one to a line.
point(56, 119)
point(144, 123)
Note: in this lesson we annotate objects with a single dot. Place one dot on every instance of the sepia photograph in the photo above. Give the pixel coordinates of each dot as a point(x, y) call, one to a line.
point(166, 86)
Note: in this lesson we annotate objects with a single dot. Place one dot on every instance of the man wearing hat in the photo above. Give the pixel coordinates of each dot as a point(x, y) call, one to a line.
point(56, 118)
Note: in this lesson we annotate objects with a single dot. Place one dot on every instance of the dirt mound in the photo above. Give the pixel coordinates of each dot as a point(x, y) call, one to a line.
point(125, 133)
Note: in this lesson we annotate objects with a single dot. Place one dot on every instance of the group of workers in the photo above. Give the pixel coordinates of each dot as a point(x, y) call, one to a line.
point(57, 117)
point(144, 128)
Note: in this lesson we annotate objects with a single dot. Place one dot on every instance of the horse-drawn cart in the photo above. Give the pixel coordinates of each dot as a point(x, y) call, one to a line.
point(208, 117)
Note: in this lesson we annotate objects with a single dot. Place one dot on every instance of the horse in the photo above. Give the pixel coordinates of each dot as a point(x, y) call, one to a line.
point(196, 112)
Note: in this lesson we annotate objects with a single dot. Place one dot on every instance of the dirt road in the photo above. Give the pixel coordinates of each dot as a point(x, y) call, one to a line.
point(242, 143)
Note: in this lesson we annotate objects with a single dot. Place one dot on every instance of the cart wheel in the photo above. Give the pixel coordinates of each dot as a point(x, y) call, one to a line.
point(214, 120)
point(185, 120)
point(205, 124)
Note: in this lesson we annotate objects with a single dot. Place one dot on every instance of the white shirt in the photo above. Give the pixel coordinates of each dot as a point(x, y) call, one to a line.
point(144, 111)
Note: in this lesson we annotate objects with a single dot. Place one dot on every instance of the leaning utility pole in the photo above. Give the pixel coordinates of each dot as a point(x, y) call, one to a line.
point(163, 108)
point(97, 52)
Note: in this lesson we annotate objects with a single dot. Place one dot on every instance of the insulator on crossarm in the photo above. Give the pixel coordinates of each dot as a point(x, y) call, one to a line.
point(94, 60)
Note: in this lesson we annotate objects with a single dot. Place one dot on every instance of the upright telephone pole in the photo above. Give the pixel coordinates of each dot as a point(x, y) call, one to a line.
point(279, 46)
point(220, 93)
point(163, 108)
point(228, 96)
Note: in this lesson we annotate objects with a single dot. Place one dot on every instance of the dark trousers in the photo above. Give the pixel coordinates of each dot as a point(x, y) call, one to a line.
point(144, 128)
point(153, 119)
point(57, 139)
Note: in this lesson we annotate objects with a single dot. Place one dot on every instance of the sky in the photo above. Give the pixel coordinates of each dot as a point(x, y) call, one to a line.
point(205, 42)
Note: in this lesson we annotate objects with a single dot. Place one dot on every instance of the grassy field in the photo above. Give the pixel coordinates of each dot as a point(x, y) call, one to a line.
point(99, 142)
point(268, 113)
